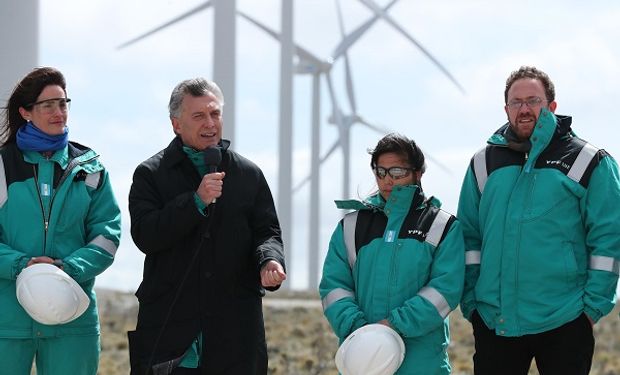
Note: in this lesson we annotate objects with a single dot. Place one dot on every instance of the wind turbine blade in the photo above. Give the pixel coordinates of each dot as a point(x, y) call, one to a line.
point(378, 129)
point(340, 20)
point(372, 6)
point(437, 162)
point(336, 112)
point(349, 84)
point(183, 16)
point(329, 153)
point(351, 38)
point(299, 51)
point(347, 66)
point(301, 184)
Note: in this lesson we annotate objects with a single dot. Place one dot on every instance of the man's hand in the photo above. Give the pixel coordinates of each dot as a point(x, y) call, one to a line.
point(272, 274)
point(210, 187)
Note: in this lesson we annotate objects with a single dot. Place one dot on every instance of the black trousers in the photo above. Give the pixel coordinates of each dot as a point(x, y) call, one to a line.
point(566, 350)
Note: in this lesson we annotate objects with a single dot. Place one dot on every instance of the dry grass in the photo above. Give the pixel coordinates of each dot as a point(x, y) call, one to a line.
point(301, 342)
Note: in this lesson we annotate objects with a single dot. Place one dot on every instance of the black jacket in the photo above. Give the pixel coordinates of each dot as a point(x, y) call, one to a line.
point(219, 255)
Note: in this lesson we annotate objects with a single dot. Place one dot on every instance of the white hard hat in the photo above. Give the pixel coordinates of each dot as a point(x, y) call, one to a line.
point(49, 295)
point(374, 349)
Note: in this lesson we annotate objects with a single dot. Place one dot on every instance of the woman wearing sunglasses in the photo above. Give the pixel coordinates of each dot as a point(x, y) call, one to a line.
point(58, 214)
point(396, 260)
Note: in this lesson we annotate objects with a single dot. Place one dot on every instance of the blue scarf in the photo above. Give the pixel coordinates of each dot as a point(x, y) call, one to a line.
point(31, 138)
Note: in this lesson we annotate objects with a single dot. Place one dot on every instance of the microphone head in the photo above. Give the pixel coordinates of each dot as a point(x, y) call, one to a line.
point(212, 157)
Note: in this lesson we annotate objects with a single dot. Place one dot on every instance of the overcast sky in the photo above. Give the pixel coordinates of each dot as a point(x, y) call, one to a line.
point(120, 97)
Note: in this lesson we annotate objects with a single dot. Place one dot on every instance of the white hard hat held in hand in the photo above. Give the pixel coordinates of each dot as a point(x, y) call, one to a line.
point(374, 349)
point(49, 295)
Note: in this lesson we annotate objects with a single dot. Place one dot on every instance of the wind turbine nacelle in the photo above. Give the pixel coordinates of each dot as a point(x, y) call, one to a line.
point(305, 68)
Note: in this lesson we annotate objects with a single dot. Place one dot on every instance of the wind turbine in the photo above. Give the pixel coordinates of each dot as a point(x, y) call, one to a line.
point(309, 63)
point(337, 116)
point(224, 42)
point(345, 122)
point(348, 120)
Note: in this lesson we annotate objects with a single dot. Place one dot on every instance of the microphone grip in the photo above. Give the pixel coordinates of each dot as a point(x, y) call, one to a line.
point(211, 168)
point(212, 157)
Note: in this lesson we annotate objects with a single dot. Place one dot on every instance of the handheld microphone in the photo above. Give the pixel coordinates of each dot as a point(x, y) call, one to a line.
point(212, 157)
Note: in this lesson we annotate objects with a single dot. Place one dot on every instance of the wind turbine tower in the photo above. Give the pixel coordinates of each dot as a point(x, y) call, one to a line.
point(19, 38)
point(285, 147)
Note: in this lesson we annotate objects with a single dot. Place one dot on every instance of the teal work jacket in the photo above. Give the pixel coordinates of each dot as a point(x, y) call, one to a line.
point(542, 230)
point(401, 260)
point(62, 207)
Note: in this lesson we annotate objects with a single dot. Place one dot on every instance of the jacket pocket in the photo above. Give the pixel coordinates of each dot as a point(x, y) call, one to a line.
point(73, 211)
point(550, 195)
point(570, 264)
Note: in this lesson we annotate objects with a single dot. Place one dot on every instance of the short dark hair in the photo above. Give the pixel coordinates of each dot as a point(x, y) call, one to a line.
point(402, 146)
point(531, 72)
point(24, 95)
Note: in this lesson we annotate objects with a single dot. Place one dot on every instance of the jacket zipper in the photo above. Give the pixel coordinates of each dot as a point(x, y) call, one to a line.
point(66, 173)
point(45, 219)
point(528, 200)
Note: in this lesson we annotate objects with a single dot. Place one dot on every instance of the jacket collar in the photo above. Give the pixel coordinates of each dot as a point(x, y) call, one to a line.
point(73, 151)
point(549, 128)
point(173, 154)
point(404, 196)
point(561, 129)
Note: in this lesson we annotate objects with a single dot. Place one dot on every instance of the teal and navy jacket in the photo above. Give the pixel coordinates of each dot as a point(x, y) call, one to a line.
point(401, 260)
point(61, 207)
point(542, 230)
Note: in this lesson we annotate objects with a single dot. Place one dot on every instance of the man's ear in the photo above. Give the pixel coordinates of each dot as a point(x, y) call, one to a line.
point(552, 106)
point(175, 125)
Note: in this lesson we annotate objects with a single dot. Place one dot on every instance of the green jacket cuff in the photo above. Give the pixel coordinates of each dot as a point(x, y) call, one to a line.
point(19, 266)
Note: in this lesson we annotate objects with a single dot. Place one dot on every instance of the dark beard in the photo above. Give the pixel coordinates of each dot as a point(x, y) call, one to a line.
point(514, 143)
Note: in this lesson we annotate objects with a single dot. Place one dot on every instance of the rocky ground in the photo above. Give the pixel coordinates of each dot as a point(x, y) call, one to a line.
point(301, 342)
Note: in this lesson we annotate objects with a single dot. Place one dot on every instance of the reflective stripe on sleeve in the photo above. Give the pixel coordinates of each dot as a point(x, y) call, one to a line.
point(472, 257)
point(480, 168)
point(603, 263)
point(92, 180)
point(437, 227)
point(580, 165)
point(105, 244)
point(437, 299)
point(349, 222)
point(336, 295)
point(4, 192)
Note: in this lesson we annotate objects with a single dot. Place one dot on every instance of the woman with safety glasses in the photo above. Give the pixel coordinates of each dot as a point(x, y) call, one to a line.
point(397, 260)
point(59, 228)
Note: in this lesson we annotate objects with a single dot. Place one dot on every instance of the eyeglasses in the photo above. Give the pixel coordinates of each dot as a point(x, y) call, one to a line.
point(395, 172)
point(49, 106)
point(530, 102)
